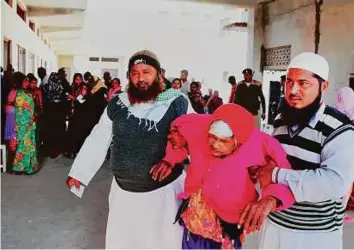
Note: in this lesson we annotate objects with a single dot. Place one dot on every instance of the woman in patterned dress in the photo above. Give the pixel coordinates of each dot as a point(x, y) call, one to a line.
point(24, 144)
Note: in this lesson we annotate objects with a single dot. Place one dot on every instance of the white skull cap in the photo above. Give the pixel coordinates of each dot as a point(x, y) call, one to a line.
point(311, 62)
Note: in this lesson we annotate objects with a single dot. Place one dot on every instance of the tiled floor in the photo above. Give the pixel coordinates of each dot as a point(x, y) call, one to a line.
point(39, 212)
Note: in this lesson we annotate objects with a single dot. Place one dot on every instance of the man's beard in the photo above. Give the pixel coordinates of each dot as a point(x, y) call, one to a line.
point(293, 116)
point(137, 95)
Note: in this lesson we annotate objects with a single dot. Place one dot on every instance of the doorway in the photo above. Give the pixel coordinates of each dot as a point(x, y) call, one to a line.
point(272, 91)
point(31, 65)
point(7, 53)
point(21, 66)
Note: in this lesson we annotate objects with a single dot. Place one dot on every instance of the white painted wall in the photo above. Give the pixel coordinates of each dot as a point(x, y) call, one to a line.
point(81, 64)
point(296, 28)
point(206, 55)
point(337, 44)
point(183, 35)
point(15, 29)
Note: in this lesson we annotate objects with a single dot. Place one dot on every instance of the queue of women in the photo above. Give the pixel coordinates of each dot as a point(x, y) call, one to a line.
point(52, 119)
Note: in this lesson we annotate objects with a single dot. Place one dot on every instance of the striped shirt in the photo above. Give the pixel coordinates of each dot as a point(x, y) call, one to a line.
point(321, 157)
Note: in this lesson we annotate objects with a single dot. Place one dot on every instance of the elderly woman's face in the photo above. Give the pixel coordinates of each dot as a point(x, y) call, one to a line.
point(221, 146)
point(176, 138)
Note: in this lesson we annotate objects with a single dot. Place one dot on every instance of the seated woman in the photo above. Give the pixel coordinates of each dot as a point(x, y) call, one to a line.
point(218, 187)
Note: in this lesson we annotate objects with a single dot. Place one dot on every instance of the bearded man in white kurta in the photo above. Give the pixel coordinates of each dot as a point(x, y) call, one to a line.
point(135, 126)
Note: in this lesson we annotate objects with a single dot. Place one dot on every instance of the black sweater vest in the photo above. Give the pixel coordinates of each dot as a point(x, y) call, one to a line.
point(138, 144)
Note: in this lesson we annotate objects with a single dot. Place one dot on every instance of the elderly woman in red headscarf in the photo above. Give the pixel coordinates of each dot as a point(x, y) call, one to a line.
point(220, 189)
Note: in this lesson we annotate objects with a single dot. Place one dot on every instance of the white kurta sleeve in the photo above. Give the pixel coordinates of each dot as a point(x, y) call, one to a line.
point(93, 152)
point(332, 180)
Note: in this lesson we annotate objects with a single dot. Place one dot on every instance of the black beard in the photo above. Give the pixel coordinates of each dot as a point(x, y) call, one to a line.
point(137, 95)
point(293, 116)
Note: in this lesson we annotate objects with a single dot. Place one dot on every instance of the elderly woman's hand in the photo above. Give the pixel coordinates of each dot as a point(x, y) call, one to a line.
point(161, 170)
point(253, 216)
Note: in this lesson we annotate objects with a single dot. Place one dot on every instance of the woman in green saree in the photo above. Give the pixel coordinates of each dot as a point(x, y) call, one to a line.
point(24, 144)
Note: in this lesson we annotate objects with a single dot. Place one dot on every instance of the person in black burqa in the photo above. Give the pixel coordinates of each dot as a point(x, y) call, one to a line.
point(107, 80)
point(96, 98)
point(56, 109)
point(79, 127)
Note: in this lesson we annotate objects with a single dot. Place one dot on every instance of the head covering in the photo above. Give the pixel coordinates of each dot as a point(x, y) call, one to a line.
point(248, 70)
point(311, 62)
point(18, 79)
point(238, 118)
point(345, 101)
point(145, 57)
point(98, 84)
point(200, 122)
point(232, 79)
point(53, 89)
point(220, 129)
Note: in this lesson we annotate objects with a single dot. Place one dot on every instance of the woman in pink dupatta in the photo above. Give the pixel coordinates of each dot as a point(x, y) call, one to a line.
point(218, 186)
point(345, 104)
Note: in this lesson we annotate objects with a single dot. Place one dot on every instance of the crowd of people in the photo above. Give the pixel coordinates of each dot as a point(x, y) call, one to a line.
point(53, 117)
point(50, 116)
point(293, 186)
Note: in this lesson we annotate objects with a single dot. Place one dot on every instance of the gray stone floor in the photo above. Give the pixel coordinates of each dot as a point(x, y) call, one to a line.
point(39, 212)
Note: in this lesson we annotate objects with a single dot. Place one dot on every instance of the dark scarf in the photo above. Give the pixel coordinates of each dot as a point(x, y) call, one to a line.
point(53, 89)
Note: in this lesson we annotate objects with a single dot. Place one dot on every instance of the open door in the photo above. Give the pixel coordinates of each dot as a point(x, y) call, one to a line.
point(272, 91)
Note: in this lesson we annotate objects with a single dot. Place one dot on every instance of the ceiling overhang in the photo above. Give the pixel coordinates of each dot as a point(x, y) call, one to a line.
point(35, 11)
point(66, 27)
point(52, 29)
point(238, 3)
